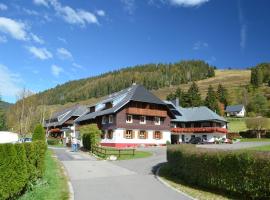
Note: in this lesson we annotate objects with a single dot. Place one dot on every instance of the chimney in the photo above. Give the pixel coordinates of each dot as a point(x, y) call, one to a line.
point(176, 102)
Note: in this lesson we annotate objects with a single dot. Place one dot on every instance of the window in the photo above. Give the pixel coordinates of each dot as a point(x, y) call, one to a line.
point(110, 119)
point(104, 119)
point(110, 134)
point(103, 135)
point(157, 135)
point(142, 120)
point(142, 135)
point(129, 134)
point(129, 119)
point(157, 120)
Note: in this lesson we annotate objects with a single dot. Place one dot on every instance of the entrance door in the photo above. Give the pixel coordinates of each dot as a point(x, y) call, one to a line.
point(183, 138)
point(174, 139)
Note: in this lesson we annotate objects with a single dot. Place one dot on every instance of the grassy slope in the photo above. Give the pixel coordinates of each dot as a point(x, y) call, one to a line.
point(234, 80)
point(55, 183)
point(237, 124)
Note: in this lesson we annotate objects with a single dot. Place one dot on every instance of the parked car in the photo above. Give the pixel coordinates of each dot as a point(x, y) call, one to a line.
point(195, 140)
point(23, 140)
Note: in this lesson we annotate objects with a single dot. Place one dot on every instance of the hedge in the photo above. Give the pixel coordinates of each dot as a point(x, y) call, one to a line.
point(90, 135)
point(53, 141)
point(20, 165)
point(244, 174)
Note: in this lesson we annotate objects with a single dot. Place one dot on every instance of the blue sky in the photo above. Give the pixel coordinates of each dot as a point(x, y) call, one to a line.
point(48, 42)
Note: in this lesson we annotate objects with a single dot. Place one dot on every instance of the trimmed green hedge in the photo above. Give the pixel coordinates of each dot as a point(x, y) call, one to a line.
point(20, 165)
point(52, 141)
point(244, 174)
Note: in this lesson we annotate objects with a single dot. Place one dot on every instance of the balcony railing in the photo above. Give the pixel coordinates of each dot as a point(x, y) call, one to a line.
point(146, 112)
point(200, 130)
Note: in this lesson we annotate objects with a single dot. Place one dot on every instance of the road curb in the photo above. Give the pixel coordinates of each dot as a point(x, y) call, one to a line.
point(169, 186)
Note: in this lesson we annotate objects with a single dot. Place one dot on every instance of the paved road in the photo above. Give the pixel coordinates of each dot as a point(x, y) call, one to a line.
point(118, 180)
point(235, 146)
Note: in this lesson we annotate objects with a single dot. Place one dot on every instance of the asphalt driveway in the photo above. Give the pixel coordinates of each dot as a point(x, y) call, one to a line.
point(117, 180)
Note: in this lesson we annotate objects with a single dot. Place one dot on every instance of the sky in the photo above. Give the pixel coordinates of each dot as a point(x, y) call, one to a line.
point(44, 43)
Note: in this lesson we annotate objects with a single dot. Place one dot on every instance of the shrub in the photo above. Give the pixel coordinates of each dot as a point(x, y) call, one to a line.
point(39, 133)
point(246, 174)
point(53, 141)
point(20, 164)
point(90, 135)
point(232, 136)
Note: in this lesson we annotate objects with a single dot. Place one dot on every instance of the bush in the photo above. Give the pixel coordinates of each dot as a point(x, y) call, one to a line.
point(20, 165)
point(232, 136)
point(52, 141)
point(90, 135)
point(244, 174)
point(39, 133)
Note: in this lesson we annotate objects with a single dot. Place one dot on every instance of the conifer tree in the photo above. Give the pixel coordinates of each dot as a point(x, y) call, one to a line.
point(222, 95)
point(2, 118)
point(194, 96)
point(211, 100)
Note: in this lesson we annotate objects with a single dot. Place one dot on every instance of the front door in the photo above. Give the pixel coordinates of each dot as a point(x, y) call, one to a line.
point(183, 138)
point(174, 139)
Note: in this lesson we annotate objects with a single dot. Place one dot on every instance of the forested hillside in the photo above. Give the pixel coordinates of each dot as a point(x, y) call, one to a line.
point(152, 76)
point(4, 105)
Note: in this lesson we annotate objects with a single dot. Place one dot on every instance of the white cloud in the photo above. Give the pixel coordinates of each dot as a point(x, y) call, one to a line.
point(3, 6)
point(188, 3)
point(64, 53)
point(37, 39)
point(30, 12)
point(129, 6)
point(62, 40)
point(70, 15)
point(77, 65)
point(200, 45)
point(41, 2)
point(56, 70)
point(9, 82)
point(101, 13)
point(15, 29)
point(41, 53)
point(3, 39)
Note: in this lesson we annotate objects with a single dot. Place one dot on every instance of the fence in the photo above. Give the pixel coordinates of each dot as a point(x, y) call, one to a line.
point(104, 152)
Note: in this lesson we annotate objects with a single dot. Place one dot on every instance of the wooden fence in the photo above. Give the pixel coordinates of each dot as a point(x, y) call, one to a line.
point(104, 152)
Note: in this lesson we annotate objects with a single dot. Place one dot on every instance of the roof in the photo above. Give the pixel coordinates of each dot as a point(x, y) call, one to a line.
point(234, 108)
point(62, 116)
point(120, 99)
point(192, 114)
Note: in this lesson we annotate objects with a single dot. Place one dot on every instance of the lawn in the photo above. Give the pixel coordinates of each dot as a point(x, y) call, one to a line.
point(236, 125)
point(114, 151)
point(192, 191)
point(53, 186)
point(255, 140)
point(261, 148)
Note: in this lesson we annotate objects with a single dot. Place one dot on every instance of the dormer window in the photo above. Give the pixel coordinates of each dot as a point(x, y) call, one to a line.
point(142, 120)
point(129, 119)
point(157, 120)
point(110, 119)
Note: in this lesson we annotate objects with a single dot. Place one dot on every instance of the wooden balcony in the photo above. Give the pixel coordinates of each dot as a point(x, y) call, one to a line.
point(200, 130)
point(146, 112)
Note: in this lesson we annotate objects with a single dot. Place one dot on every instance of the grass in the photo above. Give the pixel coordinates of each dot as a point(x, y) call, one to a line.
point(138, 154)
point(195, 192)
point(261, 148)
point(236, 125)
point(255, 140)
point(53, 186)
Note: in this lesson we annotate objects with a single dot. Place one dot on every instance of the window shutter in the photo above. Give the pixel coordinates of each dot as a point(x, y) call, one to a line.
point(133, 134)
point(125, 133)
point(153, 134)
point(146, 135)
point(161, 135)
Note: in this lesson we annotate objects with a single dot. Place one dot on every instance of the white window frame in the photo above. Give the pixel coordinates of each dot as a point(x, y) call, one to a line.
point(131, 121)
point(103, 120)
point(110, 119)
point(144, 122)
point(157, 123)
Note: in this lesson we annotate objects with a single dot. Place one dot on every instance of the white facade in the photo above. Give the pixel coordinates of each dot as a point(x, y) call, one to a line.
point(119, 139)
point(8, 137)
point(242, 113)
